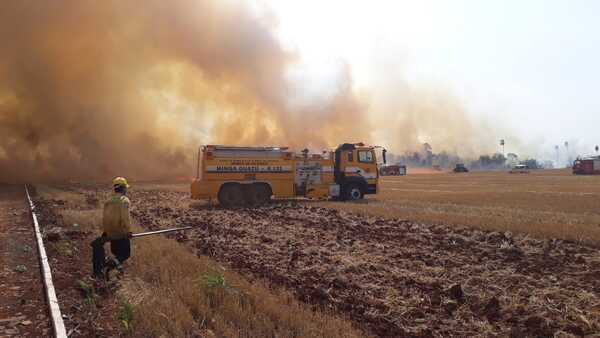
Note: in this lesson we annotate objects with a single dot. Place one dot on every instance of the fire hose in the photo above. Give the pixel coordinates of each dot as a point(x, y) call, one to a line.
point(148, 233)
point(99, 260)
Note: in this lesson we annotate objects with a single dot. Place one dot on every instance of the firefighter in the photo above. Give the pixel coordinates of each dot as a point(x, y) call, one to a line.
point(116, 230)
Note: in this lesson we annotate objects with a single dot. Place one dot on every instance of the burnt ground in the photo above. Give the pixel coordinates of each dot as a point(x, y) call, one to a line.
point(89, 307)
point(23, 309)
point(395, 277)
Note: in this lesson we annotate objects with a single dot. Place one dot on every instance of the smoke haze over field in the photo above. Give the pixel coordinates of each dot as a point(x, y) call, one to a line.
point(89, 90)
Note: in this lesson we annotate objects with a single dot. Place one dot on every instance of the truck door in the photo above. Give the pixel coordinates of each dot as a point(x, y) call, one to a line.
point(367, 169)
point(346, 165)
point(337, 172)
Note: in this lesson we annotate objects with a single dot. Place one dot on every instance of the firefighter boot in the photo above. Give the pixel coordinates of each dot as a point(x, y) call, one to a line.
point(111, 264)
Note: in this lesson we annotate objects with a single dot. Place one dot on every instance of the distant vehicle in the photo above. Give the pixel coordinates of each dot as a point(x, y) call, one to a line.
point(520, 169)
point(587, 166)
point(393, 170)
point(460, 168)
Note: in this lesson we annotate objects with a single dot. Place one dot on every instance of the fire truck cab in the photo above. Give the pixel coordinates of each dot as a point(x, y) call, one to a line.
point(355, 170)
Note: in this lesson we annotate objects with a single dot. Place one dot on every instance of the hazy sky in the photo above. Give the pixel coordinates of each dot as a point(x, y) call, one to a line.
point(530, 65)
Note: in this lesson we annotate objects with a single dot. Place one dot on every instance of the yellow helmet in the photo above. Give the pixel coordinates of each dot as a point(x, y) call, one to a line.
point(121, 181)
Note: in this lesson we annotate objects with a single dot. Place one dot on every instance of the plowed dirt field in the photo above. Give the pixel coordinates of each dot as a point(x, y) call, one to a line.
point(396, 277)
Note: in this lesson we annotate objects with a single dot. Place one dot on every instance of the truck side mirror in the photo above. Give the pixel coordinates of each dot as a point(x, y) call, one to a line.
point(383, 152)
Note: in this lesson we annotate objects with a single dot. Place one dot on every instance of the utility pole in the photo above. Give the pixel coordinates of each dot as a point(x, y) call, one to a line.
point(568, 156)
point(557, 158)
point(502, 144)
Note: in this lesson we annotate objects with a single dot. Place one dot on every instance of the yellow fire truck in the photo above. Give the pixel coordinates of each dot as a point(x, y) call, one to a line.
point(249, 176)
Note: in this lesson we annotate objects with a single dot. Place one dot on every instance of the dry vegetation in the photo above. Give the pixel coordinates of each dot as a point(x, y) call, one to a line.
point(397, 278)
point(386, 274)
point(176, 294)
point(549, 203)
point(544, 203)
point(170, 292)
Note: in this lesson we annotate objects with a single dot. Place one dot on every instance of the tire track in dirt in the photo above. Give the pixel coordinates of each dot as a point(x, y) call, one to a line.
point(396, 277)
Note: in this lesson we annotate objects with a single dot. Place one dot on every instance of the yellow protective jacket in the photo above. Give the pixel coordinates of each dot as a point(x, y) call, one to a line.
point(115, 219)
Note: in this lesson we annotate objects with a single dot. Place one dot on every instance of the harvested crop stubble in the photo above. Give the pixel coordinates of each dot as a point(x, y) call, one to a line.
point(173, 294)
point(69, 224)
point(396, 277)
point(544, 203)
point(167, 290)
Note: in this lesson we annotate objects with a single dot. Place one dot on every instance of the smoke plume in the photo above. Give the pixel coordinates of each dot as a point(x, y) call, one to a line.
point(410, 114)
point(95, 89)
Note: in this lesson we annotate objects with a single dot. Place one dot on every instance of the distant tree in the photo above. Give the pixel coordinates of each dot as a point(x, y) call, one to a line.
point(485, 161)
point(548, 165)
point(498, 160)
point(427, 155)
point(446, 160)
point(532, 163)
point(416, 159)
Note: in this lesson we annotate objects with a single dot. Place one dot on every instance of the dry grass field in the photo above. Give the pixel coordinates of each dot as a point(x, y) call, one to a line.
point(168, 291)
point(543, 203)
point(401, 263)
point(546, 203)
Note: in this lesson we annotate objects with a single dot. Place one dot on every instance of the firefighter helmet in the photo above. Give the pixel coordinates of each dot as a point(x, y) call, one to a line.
point(120, 181)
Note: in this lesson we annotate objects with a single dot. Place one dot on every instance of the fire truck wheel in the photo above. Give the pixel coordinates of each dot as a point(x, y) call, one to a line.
point(257, 194)
point(353, 192)
point(231, 195)
point(263, 193)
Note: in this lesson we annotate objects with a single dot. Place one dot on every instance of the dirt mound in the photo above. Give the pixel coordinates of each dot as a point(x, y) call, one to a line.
point(396, 277)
